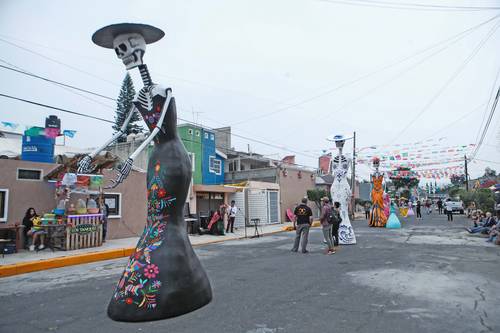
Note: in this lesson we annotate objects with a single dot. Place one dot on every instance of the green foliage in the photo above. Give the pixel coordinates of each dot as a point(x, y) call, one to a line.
point(484, 198)
point(316, 195)
point(405, 182)
point(457, 179)
point(123, 106)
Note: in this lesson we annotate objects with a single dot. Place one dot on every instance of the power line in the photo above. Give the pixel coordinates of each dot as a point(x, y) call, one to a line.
point(410, 6)
point(487, 125)
point(56, 82)
point(449, 81)
point(80, 89)
point(56, 108)
point(451, 40)
point(185, 120)
point(57, 61)
point(486, 108)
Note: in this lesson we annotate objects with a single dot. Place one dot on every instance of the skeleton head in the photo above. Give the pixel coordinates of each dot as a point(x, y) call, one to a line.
point(130, 48)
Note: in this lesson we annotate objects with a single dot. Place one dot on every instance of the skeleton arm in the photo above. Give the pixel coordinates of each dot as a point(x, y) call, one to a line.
point(84, 163)
point(127, 167)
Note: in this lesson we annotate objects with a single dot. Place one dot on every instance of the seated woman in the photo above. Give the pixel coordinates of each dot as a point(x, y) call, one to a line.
point(484, 227)
point(31, 222)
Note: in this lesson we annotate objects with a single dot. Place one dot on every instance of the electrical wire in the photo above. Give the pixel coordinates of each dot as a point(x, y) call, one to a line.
point(84, 90)
point(486, 108)
point(56, 108)
point(487, 125)
point(410, 6)
point(449, 81)
point(58, 62)
point(185, 120)
point(453, 39)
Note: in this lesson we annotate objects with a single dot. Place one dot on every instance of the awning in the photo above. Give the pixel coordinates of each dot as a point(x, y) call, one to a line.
point(215, 189)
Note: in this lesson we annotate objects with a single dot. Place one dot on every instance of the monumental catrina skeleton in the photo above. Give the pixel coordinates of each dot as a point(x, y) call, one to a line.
point(341, 191)
point(164, 277)
point(377, 215)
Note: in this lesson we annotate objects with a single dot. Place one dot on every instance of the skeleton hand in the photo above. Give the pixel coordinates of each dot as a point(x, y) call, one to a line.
point(84, 164)
point(122, 174)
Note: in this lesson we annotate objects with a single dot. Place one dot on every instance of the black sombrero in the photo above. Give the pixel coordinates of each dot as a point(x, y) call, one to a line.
point(104, 37)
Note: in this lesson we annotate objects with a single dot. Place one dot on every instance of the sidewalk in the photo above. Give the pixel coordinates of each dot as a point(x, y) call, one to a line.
point(26, 261)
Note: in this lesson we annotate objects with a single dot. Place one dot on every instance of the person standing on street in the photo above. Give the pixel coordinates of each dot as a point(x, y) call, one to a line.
point(367, 210)
point(326, 217)
point(419, 210)
point(336, 223)
point(440, 206)
point(302, 223)
point(449, 209)
point(231, 212)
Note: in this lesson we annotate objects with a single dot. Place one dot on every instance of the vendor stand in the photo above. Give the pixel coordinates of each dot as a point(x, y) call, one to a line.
point(76, 222)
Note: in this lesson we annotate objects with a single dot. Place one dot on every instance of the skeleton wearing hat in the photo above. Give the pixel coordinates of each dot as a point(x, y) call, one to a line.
point(152, 101)
point(163, 277)
point(340, 189)
point(377, 215)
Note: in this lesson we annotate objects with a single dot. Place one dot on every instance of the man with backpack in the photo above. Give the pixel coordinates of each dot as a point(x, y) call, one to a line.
point(326, 220)
point(303, 219)
point(335, 221)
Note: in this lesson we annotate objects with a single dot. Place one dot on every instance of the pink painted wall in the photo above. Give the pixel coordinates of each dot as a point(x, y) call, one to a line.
point(41, 196)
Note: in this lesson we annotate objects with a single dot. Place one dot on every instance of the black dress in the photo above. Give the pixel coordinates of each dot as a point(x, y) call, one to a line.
point(164, 277)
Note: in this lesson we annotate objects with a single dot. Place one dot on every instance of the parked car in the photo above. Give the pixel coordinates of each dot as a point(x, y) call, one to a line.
point(457, 206)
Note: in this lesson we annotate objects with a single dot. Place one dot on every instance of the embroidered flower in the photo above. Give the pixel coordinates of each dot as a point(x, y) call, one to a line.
point(162, 193)
point(156, 284)
point(129, 300)
point(150, 271)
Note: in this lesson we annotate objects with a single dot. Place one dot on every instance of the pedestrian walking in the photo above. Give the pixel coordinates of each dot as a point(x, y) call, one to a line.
point(302, 223)
point(440, 206)
point(367, 210)
point(326, 217)
point(231, 212)
point(419, 210)
point(336, 219)
point(428, 206)
point(448, 207)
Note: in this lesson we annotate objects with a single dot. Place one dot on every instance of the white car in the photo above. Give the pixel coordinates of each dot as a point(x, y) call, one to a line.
point(456, 206)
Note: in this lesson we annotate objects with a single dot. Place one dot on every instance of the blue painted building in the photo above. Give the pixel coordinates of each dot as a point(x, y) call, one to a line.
point(212, 164)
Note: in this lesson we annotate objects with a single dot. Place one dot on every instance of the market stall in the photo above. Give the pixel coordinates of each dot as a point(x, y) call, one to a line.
point(76, 222)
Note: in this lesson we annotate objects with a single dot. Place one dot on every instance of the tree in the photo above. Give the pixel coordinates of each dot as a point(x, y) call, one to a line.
point(123, 106)
point(316, 195)
point(489, 172)
point(457, 179)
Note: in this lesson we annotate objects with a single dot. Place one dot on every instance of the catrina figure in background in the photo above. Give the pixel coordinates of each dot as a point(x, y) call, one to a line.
point(164, 277)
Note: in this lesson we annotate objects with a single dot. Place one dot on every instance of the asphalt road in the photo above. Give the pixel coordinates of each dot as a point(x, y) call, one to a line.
point(429, 276)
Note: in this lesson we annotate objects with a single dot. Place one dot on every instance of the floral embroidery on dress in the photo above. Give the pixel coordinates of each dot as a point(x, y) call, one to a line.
point(140, 284)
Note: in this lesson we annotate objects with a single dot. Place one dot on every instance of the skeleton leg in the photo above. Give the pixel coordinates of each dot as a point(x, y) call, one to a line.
point(127, 167)
point(84, 163)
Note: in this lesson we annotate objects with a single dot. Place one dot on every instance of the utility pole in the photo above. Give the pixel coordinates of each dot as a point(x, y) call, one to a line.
point(353, 176)
point(466, 175)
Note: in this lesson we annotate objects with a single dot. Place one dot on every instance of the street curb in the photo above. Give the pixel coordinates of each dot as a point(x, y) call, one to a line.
point(85, 258)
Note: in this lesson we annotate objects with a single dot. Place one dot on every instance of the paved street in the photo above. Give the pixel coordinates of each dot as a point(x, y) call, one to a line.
point(429, 276)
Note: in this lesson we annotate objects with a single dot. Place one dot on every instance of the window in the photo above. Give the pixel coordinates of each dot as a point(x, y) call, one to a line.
point(114, 202)
point(212, 137)
point(215, 165)
point(29, 174)
point(197, 133)
point(206, 136)
point(192, 159)
point(190, 131)
point(4, 204)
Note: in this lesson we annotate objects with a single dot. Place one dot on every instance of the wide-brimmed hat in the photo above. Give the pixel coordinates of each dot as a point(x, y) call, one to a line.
point(338, 137)
point(104, 37)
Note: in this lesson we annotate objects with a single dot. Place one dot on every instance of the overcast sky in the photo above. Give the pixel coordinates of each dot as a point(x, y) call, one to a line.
point(270, 69)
